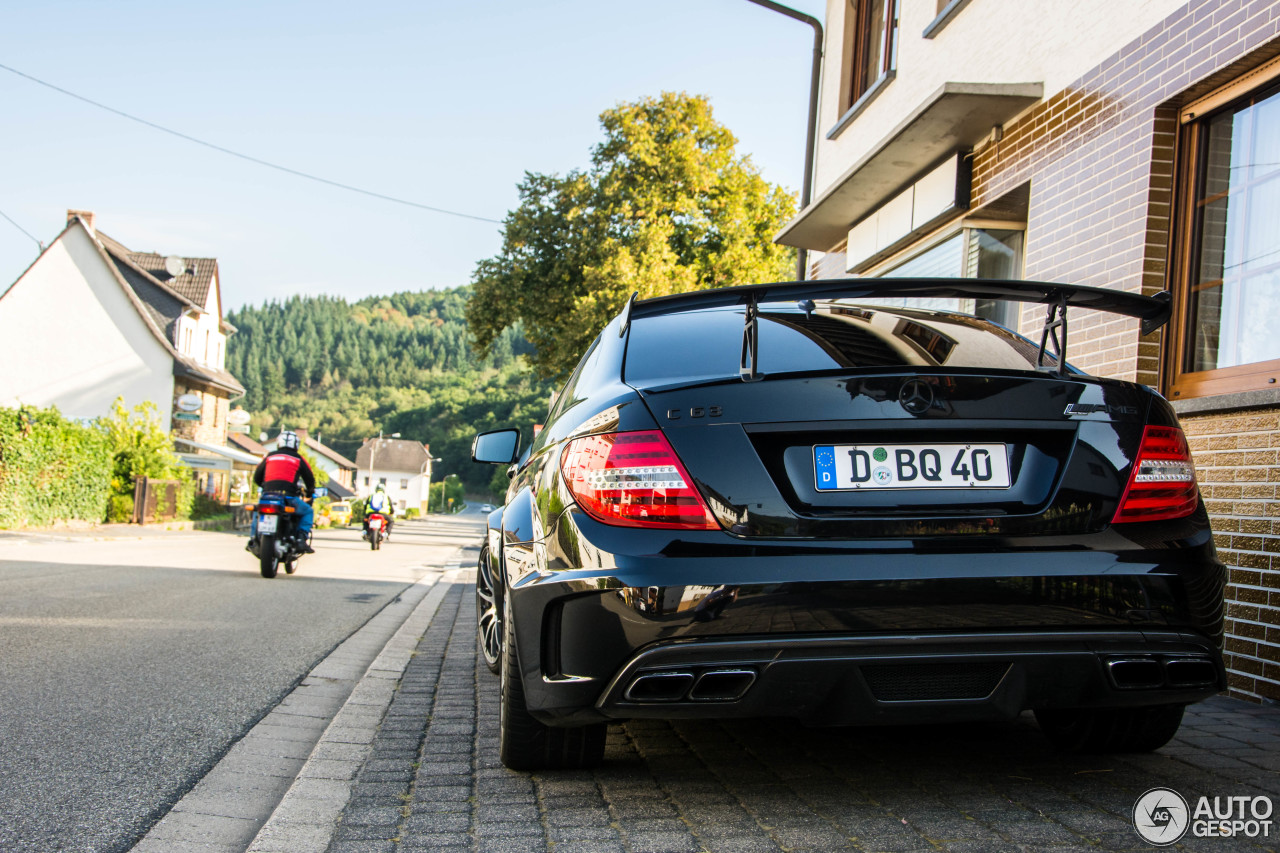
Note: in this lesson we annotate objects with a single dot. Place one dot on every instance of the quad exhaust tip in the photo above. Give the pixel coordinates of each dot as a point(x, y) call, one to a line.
point(1150, 673)
point(712, 685)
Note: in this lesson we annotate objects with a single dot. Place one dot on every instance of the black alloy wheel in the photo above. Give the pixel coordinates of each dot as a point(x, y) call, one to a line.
point(488, 617)
point(267, 555)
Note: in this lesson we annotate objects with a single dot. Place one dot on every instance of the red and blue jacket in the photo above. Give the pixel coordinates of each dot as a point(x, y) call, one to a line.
point(285, 471)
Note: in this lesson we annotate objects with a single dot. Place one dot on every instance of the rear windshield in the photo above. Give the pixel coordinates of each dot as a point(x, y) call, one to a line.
point(706, 345)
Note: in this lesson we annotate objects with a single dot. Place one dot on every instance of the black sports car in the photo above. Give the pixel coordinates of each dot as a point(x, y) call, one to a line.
point(789, 500)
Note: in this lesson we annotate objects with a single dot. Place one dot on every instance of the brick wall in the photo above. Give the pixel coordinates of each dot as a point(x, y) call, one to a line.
point(1238, 465)
point(212, 426)
point(1099, 157)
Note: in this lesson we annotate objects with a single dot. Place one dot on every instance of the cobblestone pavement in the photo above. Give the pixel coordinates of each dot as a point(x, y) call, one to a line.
point(769, 785)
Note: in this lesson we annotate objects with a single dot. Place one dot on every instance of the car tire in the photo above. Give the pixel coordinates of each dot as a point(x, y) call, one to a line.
point(526, 744)
point(1111, 729)
point(488, 616)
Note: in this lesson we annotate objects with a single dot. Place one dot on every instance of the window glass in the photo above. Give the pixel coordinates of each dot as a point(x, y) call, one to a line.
point(1235, 273)
point(872, 37)
point(568, 396)
point(995, 254)
point(945, 260)
point(706, 345)
point(874, 28)
point(971, 253)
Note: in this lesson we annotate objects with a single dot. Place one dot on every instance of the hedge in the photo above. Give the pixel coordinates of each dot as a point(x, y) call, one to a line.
point(51, 469)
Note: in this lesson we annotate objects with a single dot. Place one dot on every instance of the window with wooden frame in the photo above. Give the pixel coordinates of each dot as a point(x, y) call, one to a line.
point(1226, 249)
point(871, 36)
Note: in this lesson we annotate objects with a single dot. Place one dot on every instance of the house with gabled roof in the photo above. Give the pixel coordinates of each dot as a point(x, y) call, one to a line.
point(91, 321)
point(402, 467)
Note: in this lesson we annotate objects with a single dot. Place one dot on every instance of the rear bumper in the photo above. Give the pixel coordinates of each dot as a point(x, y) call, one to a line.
point(869, 680)
point(833, 634)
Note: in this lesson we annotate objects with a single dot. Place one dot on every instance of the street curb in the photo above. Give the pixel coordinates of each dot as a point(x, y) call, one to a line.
point(307, 816)
point(232, 804)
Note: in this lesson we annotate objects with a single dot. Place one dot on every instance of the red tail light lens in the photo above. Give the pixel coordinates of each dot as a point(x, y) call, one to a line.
point(633, 479)
point(1163, 482)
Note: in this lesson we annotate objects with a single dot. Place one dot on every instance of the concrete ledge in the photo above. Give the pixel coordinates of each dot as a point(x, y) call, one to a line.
point(216, 815)
point(308, 813)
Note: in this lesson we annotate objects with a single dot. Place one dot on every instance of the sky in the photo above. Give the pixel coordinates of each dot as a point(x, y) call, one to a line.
point(446, 105)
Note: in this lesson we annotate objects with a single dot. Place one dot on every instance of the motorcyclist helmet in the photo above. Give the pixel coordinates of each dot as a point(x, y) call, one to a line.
point(380, 488)
point(288, 439)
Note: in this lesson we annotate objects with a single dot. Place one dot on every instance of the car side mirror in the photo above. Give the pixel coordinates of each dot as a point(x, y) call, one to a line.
point(498, 447)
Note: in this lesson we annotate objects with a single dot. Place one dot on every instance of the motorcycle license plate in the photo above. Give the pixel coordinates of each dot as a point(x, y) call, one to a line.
point(267, 524)
point(376, 524)
point(844, 467)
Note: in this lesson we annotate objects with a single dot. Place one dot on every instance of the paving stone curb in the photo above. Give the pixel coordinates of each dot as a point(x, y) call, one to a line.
point(433, 780)
point(227, 808)
point(308, 813)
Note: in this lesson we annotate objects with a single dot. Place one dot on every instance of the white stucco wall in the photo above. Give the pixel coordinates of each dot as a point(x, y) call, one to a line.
point(989, 41)
point(206, 343)
point(413, 496)
point(71, 338)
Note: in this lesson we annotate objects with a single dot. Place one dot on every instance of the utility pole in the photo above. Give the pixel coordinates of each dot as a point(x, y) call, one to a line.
point(811, 134)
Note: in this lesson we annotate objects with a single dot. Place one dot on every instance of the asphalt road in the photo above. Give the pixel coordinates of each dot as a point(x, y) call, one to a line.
point(130, 667)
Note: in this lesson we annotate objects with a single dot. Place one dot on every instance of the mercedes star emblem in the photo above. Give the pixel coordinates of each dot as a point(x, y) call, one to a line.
point(916, 396)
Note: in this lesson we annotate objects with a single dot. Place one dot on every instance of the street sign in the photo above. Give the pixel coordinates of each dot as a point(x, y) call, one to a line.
point(186, 416)
point(244, 428)
point(190, 403)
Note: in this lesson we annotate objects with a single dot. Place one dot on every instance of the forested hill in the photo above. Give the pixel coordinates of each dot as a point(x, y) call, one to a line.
point(399, 363)
point(325, 342)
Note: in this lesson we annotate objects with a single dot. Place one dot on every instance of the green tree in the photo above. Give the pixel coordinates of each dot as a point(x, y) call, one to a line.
point(666, 206)
point(139, 446)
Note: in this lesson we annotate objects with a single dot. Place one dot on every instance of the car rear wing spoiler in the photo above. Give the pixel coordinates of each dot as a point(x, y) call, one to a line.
point(1153, 311)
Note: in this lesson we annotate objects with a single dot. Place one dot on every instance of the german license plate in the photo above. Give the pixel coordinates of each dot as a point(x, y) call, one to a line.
point(267, 524)
point(844, 467)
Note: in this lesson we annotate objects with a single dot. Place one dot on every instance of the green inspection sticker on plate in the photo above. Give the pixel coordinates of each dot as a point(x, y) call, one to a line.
point(845, 467)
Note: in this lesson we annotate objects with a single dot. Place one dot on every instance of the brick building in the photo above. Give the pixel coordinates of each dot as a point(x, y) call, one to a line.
point(1133, 146)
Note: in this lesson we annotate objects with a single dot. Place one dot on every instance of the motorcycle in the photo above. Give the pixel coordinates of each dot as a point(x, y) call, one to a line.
point(278, 541)
point(376, 523)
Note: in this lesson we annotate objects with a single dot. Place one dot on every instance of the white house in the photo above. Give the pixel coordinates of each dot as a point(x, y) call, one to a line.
point(91, 320)
point(403, 467)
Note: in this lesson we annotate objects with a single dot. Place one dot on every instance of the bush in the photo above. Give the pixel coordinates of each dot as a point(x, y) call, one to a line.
point(140, 447)
point(51, 469)
point(412, 512)
point(120, 509)
point(204, 506)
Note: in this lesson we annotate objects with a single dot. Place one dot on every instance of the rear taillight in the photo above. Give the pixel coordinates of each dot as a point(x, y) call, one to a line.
point(1163, 482)
point(633, 479)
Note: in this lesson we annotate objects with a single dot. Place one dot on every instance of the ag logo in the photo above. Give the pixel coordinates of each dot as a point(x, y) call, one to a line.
point(1161, 816)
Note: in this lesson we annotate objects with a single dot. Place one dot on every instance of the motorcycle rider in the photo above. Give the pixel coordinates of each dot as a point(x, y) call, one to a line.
point(380, 503)
point(284, 470)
